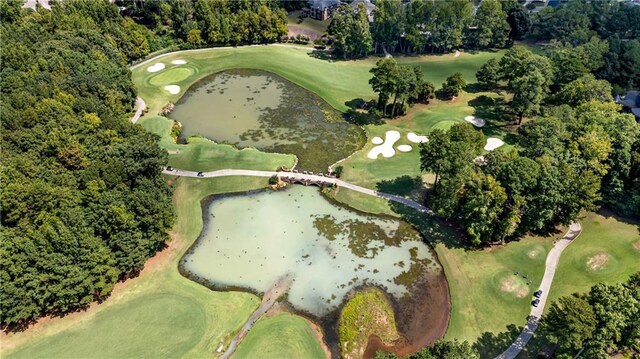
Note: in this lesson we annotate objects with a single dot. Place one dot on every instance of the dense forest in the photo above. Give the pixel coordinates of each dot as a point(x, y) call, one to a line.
point(83, 200)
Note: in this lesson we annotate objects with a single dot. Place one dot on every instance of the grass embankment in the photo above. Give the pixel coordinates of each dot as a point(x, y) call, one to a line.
point(367, 313)
point(489, 303)
point(337, 82)
point(158, 314)
point(282, 336)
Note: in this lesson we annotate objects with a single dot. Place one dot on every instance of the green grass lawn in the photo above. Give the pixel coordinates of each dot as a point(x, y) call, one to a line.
point(612, 244)
point(160, 313)
point(281, 336)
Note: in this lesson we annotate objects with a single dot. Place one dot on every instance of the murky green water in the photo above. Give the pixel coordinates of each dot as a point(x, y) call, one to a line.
point(251, 241)
point(263, 110)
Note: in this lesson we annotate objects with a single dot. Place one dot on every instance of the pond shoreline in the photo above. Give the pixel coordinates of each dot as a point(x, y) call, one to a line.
point(426, 300)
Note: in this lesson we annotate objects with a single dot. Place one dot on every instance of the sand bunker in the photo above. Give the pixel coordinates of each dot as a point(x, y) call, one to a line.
point(476, 121)
point(377, 140)
point(173, 89)
point(386, 149)
point(404, 148)
point(457, 54)
point(178, 62)
point(493, 143)
point(416, 139)
point(597, 262)
point(155, 67)
point(512, 284)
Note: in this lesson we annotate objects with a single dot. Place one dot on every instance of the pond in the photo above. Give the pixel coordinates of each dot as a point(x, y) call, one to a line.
point(262, 110)
point(251, 241)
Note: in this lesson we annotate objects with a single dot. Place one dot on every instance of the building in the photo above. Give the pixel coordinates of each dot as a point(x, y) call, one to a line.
point(631, 101)
point(322, 9)
point(368, 5)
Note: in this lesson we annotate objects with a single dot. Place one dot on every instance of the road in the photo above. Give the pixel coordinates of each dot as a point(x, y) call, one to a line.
point(536, 312)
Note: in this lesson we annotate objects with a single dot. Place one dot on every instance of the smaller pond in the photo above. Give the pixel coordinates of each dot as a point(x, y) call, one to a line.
point(251, 241)
point(262, 110)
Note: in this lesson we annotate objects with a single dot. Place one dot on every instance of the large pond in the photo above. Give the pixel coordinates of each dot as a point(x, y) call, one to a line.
point(262, 110)
point(251, 241)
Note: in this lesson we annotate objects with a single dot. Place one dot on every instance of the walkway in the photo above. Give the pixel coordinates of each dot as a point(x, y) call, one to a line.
point(536, 312)
point(302, 176)
point(268, 300)
point(140, 106)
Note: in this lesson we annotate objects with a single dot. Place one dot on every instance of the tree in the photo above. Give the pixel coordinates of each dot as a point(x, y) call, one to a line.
point(387, 26)
point(453, 85)
point(570, 323)
point(383, 82)
point(194, 37)
point(492, 26)
point(439, 350)
point(489, 74)
point(434, 154)
point(584, 89)
point(528, 95)
point(517, 17)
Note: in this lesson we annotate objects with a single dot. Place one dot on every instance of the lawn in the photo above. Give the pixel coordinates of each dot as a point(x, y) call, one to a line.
point(281, 336)
point(158, 314)
point(306, 25)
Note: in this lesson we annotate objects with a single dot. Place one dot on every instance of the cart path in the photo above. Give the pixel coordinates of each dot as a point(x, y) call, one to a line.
point(140, 106)
point(269, 298)
point(536, 312)
point(302, 176)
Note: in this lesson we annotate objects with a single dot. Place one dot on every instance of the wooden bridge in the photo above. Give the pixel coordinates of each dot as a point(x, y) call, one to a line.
point(307, 181)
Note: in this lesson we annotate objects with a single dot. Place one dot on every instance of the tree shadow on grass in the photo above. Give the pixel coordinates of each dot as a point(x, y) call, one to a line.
point(497, 114)
point(490, 345)
point(405, 186)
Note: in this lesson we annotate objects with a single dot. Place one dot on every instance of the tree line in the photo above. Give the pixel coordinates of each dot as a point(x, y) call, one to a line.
point(598, 324)
point(83, 200)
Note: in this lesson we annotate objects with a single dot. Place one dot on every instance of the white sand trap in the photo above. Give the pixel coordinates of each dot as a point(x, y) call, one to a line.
point(476, 121)
point(155, 67)
point(457, 54)
point(493, 143)
point(416, 138)
point(377, 140)
point(404, 148)
point(178, 62)
point(386, 149)
point(173, 89)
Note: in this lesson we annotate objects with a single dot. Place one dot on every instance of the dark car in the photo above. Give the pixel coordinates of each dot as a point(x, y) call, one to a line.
point(169, 168)
point(200, 174)
point(538, 293)
point(535, 302)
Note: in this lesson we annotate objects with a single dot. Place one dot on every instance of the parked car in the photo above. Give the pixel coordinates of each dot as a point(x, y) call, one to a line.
point(169, 168)
point(535, 302)
point(538, 293)
point(200, 174)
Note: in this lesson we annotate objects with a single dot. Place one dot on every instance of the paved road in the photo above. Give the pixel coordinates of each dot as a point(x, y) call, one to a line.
point(140, 106)
point(301, 176)
point(536, 312)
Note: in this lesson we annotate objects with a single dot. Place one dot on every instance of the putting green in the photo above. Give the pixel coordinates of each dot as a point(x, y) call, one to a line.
point(282, 336)
point(171, 76)
point(444, 125)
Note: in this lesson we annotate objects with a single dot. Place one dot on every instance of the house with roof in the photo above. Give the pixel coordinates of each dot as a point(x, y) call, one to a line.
point(631, 101)
point(368, 5)
point(321, 9)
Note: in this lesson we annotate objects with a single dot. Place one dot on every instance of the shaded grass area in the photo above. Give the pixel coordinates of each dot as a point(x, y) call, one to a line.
point(294, 22)
point(158, 314)
point(282, 336)
point(367, 313)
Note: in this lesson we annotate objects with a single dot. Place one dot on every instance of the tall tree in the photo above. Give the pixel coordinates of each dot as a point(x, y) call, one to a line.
point(453, 85)
point(570, 322)
point(388, 24)
point(383, 82)
point(492, 26)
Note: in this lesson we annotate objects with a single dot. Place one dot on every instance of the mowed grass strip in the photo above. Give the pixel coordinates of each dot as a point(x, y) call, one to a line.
point(158, 314)
point(281, 336)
